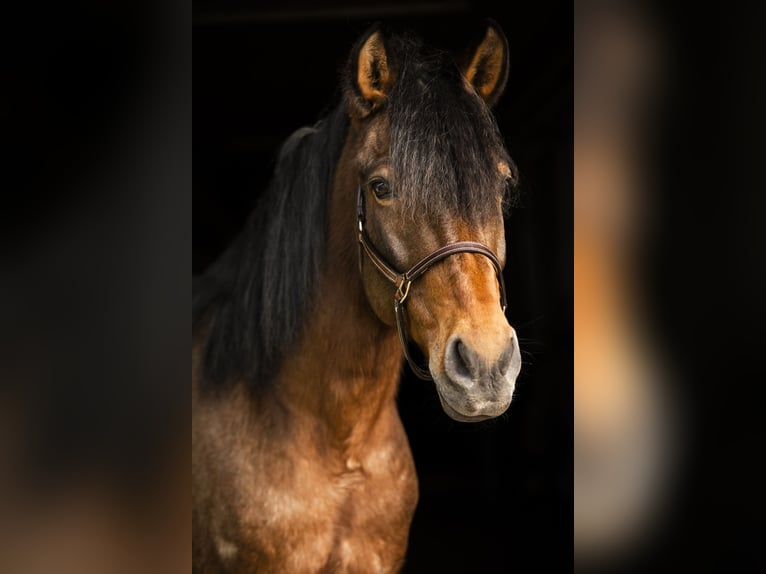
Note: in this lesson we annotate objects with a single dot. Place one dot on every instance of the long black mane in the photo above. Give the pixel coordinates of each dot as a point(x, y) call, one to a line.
point(253, 298)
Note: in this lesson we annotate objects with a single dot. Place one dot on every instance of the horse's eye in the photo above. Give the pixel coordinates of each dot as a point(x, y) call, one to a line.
point(381, 188)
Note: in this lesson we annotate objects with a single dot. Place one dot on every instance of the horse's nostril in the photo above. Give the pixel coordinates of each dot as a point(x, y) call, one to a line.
point(465, 365)
point(504, 362)
point(463, 359)
point(460, 361)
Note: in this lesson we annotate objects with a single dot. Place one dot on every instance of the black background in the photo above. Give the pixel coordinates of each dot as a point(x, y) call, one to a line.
point(496, 496)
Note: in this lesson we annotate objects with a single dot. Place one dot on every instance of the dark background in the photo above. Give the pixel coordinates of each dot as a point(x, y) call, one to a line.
point(706, 272)
point(497, 496)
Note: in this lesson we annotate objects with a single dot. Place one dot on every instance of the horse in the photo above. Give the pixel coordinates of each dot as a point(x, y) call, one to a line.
point(380, 238)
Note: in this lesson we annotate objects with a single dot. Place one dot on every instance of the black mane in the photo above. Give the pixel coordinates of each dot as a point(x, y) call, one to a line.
point(260, 288)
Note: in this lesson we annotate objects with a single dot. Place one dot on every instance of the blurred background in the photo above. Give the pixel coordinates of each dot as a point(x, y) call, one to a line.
point(95, 141)
point(627, 414)
point(668, 288)
point(496, 496)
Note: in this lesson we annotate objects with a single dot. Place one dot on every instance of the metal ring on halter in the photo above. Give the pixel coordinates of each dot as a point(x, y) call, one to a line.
point(402, 295)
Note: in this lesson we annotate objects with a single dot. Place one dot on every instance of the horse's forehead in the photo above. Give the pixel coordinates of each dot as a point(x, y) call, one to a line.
point(375, 141)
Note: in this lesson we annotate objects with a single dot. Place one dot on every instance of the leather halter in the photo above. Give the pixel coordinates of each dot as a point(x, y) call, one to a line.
point(403, 281)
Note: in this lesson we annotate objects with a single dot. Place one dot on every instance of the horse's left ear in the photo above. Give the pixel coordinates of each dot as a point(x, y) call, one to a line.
point(486, 67)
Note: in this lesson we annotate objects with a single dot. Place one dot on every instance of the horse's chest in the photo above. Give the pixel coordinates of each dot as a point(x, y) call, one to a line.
point(353, 521)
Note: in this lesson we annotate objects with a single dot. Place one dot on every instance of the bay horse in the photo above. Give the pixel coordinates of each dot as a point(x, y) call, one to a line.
point(380, 238)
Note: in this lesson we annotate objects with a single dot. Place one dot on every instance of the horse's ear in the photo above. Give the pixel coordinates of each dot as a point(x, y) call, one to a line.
point(371, 73)
point(486, 66)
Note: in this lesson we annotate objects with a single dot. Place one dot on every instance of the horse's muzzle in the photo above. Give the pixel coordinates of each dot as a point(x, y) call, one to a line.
point(475, 385)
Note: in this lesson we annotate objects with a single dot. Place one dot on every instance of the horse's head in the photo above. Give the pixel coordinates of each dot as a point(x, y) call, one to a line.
point(433, 172)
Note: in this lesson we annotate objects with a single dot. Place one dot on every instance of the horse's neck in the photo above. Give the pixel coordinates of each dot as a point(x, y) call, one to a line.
point(347, 371)
point(346, 368)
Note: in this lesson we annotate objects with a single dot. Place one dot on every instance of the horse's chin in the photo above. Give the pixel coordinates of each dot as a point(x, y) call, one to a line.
point(470, 411)
point(453, 414)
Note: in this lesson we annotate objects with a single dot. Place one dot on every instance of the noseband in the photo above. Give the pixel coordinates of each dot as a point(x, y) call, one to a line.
point(403, 281)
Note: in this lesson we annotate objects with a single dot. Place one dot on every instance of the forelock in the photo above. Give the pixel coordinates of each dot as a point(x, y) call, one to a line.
point(444, 142)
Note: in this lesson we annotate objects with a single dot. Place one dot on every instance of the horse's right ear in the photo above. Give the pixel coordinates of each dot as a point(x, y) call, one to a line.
point(370, 74)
